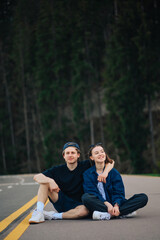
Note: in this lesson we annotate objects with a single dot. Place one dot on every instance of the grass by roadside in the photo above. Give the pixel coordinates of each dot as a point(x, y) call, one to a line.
point(149, 174)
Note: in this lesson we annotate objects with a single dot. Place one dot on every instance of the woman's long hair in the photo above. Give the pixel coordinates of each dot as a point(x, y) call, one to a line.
point(108, 160)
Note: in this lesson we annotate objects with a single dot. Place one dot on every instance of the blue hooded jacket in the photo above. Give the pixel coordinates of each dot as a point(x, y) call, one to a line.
point(114, 187)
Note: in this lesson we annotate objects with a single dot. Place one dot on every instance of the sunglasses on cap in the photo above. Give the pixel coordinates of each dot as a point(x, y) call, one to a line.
point(94, 145)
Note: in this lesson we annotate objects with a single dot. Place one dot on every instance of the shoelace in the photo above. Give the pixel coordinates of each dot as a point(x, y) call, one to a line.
point(104, 217)
point(34, 212)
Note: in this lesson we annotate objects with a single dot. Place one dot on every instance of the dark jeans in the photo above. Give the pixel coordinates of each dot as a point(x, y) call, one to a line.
point(93, 203)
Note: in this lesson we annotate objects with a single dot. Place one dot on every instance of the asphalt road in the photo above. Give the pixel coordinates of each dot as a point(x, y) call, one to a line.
point(15, 191)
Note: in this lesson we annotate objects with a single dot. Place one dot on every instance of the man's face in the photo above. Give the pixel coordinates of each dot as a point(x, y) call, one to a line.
point(71, 155)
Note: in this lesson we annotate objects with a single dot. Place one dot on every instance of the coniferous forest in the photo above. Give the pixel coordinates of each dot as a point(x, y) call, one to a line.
point(85, 71)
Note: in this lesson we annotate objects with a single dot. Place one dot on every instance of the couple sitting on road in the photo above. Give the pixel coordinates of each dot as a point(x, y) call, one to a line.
point(78, 190)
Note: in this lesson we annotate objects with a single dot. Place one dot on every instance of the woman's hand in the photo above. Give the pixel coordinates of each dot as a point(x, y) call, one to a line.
point(116, 211)
point(110, 207)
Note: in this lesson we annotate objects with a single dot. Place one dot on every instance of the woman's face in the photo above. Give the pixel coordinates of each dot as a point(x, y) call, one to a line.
point(98, 154)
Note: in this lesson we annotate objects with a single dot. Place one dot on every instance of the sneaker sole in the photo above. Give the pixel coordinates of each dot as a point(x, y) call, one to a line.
point(49, 219)
point(34, 222)
point(130, 215)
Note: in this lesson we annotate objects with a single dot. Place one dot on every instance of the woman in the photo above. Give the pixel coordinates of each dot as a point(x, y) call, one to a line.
point(106, 200)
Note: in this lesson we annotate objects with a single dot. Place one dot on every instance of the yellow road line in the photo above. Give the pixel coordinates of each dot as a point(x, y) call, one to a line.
point(4, 223)
point(20, 229)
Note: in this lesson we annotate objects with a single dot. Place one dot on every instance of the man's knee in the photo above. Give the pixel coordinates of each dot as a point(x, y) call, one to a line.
point(53, 196)
point(82, 211)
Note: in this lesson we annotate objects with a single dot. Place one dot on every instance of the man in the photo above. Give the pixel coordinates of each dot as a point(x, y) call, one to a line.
point(64, 186)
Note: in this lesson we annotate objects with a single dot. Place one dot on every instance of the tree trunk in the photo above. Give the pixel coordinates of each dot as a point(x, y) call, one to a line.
point(3, 150)
point(89, 96)
point(36, 142)
point(151, 131)
point(115, 9)
point(92, 130)
point(82, 150)
point(8, 100)
point(91, 120)
point(100, 117)
point(39, 122)
point(25, 110)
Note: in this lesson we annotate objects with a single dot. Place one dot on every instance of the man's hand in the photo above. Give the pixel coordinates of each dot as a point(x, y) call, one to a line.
point(53, 187)
point(102, 177)
point(42, 179)
point(108, 167)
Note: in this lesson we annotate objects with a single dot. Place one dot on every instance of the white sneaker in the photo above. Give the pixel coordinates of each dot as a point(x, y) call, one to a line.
point(37, 217)
point(48, 215)
point(130, 215)
point(101, 215)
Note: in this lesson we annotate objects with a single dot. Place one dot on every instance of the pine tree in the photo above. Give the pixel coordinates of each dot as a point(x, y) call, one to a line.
point(125, 89)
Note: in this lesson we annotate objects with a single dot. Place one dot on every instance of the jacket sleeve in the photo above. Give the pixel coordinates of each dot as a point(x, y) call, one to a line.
point(90, 185)
point(118, 191)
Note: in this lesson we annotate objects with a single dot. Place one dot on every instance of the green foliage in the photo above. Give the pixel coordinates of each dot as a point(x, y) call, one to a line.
point(57, 56)
point(126, 86)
